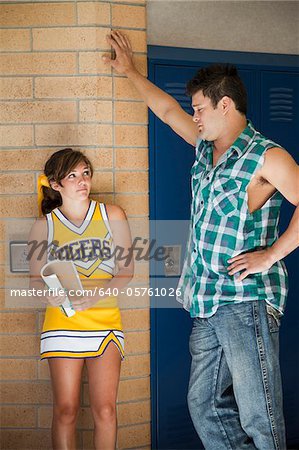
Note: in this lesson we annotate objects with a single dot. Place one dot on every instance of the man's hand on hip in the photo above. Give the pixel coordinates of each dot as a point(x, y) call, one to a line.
point(253, 262)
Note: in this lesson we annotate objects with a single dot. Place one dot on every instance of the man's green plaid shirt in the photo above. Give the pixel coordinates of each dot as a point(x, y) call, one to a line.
point(222, 227)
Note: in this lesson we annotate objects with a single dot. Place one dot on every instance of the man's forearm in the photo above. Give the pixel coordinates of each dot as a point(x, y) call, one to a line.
point(288, 241)
point(163, 105)
point(155, 98)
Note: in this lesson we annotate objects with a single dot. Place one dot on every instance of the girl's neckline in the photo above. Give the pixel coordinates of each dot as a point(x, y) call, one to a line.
point(78, 227)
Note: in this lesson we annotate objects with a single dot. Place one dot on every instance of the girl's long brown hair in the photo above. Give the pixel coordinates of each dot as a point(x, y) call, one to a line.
point(58, 166)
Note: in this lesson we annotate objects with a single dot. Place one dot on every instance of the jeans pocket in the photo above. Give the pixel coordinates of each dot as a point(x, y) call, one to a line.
point(274, 318)
point(201, 337)
point(226, 195)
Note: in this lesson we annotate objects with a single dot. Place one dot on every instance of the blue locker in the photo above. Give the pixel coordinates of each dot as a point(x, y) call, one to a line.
point(272, 86)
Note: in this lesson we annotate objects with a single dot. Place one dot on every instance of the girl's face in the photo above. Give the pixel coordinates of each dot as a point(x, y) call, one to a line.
point(75, 185)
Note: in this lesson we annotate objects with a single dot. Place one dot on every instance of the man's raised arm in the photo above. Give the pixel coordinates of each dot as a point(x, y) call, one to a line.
point(163, 105)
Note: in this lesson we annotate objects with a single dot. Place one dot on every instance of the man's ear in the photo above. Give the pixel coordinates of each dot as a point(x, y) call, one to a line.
point(226, 104)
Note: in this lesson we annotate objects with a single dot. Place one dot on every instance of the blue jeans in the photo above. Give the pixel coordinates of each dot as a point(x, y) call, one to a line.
point(235, 393)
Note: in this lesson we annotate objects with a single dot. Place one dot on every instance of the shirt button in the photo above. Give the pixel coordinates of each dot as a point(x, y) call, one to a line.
point(201, 202)
point(208, 178)
point(194, 251)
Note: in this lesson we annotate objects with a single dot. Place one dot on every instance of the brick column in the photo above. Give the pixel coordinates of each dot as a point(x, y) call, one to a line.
point(56, 92)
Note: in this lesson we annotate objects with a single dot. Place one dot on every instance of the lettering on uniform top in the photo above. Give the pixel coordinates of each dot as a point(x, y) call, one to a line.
point(84, 250)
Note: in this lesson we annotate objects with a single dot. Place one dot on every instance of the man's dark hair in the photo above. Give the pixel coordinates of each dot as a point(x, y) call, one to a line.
point(219, 80)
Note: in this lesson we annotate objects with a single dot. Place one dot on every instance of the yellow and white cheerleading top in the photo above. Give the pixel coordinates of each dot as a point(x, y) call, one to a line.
point(90, 246)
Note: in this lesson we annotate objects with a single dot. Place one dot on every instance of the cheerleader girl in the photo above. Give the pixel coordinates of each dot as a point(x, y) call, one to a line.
point(87, 232)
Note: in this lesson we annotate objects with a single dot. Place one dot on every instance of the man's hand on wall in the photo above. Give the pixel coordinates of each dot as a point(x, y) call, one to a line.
point(123, 62)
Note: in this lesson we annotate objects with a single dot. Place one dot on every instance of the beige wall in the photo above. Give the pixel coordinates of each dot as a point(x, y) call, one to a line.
point(251, 26)
point(55, 92)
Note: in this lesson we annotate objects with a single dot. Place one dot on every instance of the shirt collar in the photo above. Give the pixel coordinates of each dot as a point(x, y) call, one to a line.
point(243, 140)
point(204, 149)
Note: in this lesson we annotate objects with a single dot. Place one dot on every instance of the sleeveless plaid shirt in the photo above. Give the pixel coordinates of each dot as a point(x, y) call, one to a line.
point(222, 227)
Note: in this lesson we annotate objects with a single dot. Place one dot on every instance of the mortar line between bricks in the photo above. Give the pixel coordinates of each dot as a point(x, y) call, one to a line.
point(31, 39)
point(69, 51)
point(76, 12)
point(71, 26)
point(31, 194)
point(76, 122)
point(113, 112)
point(70, 100)
point(35, 100)
point(99, 171)
point(16, 2)
point(90, 147)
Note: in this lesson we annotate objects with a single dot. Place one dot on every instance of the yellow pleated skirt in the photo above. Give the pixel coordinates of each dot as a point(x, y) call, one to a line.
point(84, 335)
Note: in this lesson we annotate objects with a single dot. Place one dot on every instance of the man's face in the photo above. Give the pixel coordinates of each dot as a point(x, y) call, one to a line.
point(210, 121)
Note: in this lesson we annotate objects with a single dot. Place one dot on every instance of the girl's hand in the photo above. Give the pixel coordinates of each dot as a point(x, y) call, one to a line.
point(55, 300)
point(82, 303)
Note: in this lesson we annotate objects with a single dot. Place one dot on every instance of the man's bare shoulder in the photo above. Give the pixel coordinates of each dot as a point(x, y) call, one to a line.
point(277, 159)
point(276, 155)
point(281, 171)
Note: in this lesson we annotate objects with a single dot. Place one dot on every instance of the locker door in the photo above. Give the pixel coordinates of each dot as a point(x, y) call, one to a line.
point(279, 120)
point(171, 161)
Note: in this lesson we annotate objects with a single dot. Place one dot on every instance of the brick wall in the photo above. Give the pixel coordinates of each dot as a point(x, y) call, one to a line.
point(56, 92)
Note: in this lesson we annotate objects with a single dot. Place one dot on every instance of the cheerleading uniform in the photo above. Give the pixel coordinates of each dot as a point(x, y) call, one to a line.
point(90, 246)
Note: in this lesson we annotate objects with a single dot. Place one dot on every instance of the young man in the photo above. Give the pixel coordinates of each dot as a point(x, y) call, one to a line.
point(233, 281)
